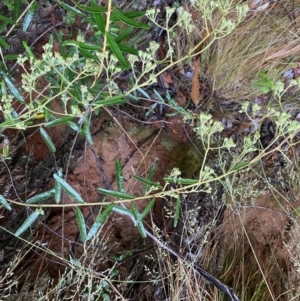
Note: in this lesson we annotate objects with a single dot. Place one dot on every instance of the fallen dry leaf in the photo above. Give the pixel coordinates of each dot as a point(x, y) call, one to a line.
point(195, 94)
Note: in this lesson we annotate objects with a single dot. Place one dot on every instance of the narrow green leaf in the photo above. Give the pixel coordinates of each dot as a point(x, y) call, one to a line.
point(29, 15)
point(81, 225)
point(148, 182)
point(48, 140)
point(124, 34)
point(17, 8)
point(128, 49)
point(142, 229)
point(240, 165)
point(11, 56)
point(150, 176)
point(89, 46)
point(87, 132)
point(72, 9)
point(111, 101)
point(100, 22)
point(100, 221)
point(14, 91)
point(139, 224)
point(119, 176)
point(68, 189)
point(3, 43)
point(41, 197)
point(146, 211)
point(123, 211)
point(28, 50)
point(73, 126)
point(7, 20)
point(57, 195)
point(177, 211)
point(29, 221)
point(116, 50)
point(57, 188)
point(93, 9)
point(118, 15)
point(116, 194)
point(4, 203)
point(58, 121)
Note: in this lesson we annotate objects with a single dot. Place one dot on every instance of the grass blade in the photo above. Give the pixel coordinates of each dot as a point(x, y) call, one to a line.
point(48, 140)
point(81, 225)
point(29, 221)
point(68, 189)
point(100, 221)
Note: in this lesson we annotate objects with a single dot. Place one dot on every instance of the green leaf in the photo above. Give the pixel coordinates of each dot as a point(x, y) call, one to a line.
point(116, 194)
point(81, 225)
point(111, 101)
point(148, 182)
point(29, 15)
point(4, 203)
point(11, 56)
point(68, 189)
point(119, 176)
point(58, 121)
point(123, 211)
point(100, 21)
point(128, 49)
point(73, 126)
point(93, 9)
point(89, 46)
point(72, 9)
point(28, 50)
point(139, 224)
point(48, 140)
point(57, 188)
point(240, 165)
point(116, 50)
point(124, 34)
point(29, 221)
point(177, 211)
point(3, 43)
point(41, 197)
point(14, 91)
point(146, 211)
point(87, 132)
point(17, 8)
point(100, 221)
point(7, 20)
point(118, 15)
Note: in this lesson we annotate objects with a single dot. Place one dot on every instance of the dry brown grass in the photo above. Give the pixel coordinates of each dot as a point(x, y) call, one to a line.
point(266, 40)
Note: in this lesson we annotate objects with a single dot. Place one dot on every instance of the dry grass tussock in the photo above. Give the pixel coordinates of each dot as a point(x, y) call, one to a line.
point(266, 40)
